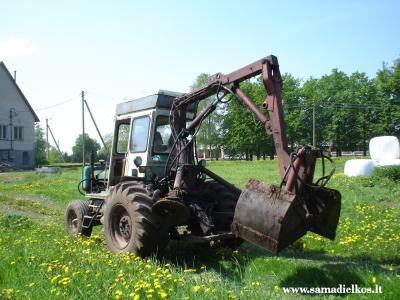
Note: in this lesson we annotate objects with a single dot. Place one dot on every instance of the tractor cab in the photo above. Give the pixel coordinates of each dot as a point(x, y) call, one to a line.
point(142, 137)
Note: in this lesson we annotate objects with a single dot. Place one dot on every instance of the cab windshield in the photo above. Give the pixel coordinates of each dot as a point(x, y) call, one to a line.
point(163, 140)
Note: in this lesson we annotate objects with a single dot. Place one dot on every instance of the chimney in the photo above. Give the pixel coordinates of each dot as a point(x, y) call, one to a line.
point(15, 76)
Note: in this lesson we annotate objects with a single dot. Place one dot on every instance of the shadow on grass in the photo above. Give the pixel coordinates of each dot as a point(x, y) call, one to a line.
point(200, 257)
point(329, 271)
point(354, 260)
point(327, 275)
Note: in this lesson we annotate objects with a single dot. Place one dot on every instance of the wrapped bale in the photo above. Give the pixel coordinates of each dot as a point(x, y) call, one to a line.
point(384, 147)
point(388, 162)
point(359, 167)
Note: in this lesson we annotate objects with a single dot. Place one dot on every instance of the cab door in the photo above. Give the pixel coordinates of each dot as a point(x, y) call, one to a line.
point(138, 145)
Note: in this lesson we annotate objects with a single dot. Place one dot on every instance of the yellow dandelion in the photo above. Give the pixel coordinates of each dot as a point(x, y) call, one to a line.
point(189, 270)
point(196, 288)
point(118, 294)
point(54, 279)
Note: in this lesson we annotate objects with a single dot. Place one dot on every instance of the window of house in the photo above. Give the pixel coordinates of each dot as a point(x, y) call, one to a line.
point(3, 132)
point(18, 133)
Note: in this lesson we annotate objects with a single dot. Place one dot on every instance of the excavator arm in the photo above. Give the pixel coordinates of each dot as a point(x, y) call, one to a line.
point(275, 125)
point(270, 216)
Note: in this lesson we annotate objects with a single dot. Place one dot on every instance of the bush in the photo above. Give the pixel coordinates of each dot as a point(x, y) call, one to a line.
point(392, 172)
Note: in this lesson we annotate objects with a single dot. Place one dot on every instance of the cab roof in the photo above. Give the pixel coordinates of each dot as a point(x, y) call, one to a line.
point(161, 99)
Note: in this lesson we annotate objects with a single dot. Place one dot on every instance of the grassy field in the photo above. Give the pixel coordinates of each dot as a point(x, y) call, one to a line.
point(38, 260)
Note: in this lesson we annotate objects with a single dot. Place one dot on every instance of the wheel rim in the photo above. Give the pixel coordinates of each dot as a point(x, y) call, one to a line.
point(121, 227)
point(72, 221)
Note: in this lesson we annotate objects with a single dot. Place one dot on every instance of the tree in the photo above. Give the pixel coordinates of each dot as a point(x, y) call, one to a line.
point(208, 137)
point(388, 98)
point(91, 145)
point(295, 111)
point(54, 155)
point(242, 131)
point(40, 146)
point(104, 153)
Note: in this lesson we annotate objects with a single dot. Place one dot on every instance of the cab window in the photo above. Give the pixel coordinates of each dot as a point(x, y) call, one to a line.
point(140, 133)
point(163, 141)
point(122, 138)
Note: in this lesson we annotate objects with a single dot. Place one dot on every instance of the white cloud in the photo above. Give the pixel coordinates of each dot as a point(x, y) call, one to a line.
point(15, 47)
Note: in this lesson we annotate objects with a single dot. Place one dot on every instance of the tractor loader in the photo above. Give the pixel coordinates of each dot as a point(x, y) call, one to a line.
point(154, 189)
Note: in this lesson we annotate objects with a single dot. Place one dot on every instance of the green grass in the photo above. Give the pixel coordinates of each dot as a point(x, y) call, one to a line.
point(38, 260)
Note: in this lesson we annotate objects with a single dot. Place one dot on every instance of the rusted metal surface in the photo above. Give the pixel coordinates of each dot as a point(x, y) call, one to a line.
point(250, 105)
point(325, 204)
point(268, 216)
point(275, 125)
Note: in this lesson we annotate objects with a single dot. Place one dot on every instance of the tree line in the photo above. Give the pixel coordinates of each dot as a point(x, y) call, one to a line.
point(348, 110)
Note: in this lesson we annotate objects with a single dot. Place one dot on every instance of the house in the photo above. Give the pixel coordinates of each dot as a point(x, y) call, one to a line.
point(17, 121)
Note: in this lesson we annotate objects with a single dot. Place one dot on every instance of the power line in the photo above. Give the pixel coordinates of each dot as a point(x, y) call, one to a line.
point(57, 104)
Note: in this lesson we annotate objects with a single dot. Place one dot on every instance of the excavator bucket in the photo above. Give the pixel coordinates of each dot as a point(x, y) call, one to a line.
point(273, 218)
point(325, 205)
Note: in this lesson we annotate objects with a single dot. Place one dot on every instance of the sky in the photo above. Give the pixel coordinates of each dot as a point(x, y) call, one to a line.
point(118, 50)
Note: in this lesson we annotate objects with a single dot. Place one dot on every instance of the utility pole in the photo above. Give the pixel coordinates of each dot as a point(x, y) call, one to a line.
point(313, 125)
point(57, 146)
point(83, 128)
point(95, 125)
point(47, 139)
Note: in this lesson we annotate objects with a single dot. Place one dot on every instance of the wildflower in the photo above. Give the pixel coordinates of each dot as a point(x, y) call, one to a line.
point(374, 279)
point(134, 296)
point(118, 294)
point(255, 283)
point(65, 281)
point(189, 270)
point(54, 279)
point(196, 288)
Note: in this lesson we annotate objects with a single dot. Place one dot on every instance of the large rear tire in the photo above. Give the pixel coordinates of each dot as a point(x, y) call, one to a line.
point(128, 222)
point(74, 214)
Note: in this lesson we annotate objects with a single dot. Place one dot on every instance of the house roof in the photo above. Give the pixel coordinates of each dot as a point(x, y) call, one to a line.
point(2, 65)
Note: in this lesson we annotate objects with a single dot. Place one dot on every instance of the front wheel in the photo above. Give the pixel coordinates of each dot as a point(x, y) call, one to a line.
point(128, 223)
point(74, 214)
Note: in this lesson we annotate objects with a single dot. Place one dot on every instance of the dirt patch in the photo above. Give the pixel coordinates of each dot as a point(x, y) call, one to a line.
point(389, 203)
point(36, 207)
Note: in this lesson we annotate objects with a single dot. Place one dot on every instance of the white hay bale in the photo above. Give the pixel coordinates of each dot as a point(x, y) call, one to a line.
point(384, 147)
point(359, 167)
point(388, 162)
